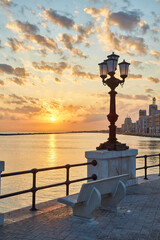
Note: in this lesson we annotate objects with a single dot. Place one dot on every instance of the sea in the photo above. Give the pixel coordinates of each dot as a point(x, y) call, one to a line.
point(25, 152)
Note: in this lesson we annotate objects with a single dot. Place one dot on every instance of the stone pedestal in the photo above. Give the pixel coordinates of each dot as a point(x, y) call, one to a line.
point(1, 169)
point(113, 163)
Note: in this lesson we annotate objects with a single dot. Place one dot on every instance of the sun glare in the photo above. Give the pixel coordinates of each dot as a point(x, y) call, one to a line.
point(52, 119)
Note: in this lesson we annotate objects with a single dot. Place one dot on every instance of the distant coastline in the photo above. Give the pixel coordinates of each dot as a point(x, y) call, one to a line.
point(141, 134)
point(40, 133)
point(92, 131)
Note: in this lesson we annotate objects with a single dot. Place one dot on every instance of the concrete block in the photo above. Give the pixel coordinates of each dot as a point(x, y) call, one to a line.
point(112, 163)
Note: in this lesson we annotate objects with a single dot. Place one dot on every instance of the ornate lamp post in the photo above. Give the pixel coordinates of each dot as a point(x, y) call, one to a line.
point(109, 66)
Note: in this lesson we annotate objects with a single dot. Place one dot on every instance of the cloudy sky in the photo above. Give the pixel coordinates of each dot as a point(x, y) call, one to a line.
point(49, 55)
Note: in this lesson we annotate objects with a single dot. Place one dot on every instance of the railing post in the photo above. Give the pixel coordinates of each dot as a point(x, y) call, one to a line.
point(34, 171)
point(159, 164)
point(67, 179)
point(1, 169)
point(145, 167)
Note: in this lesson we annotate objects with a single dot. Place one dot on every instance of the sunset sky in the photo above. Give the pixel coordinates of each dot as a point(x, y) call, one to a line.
point(49, 55)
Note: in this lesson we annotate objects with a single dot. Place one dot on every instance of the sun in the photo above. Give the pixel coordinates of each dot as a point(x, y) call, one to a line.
point(52, 119)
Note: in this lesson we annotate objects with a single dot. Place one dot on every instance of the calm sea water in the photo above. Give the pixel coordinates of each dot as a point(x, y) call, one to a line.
point(25, 152)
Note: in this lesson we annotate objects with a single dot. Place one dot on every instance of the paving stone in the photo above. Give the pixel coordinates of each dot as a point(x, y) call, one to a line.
point(138, 218)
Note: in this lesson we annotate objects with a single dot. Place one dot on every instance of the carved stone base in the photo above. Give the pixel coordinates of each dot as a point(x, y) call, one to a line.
point(113, 163)
point(112, 146)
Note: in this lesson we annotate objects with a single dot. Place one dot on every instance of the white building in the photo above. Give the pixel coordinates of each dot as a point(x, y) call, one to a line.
point(154, 115)
point(146, 123)
point(143, 122)
point(127, 126)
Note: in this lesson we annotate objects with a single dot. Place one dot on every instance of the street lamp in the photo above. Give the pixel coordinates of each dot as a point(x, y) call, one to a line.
point(109, 67)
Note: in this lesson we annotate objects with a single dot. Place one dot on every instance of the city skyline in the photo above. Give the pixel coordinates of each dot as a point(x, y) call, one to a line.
point(147, 124)
point(50, 50)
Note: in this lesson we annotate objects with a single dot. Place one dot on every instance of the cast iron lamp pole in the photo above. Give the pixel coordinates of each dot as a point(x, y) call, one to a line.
point(109, 66)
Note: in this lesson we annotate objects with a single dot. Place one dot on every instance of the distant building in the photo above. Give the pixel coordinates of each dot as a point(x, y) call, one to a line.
point(127, 126)
point(157, 122)
point(154, 113)
point(153, 107)
point(142, 113)
point(143, 122)
point(146, 123)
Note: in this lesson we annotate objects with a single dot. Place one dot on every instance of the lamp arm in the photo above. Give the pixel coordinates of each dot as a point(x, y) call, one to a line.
point(104, 81)
point(123, 80)
point(112, 80)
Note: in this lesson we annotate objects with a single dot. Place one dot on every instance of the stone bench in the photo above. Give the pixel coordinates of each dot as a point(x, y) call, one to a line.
point(106, 193)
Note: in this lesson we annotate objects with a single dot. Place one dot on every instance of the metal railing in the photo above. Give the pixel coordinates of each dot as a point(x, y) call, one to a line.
point(146, 165)
point(34, 171)
point(34, 189)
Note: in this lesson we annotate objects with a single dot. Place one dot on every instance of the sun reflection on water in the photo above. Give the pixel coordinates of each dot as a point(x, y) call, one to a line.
point(52, 156)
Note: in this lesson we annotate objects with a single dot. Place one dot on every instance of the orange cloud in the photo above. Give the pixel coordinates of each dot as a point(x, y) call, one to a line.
point(71, 108)
point(29, 32)
point(45, 42)
point(58, 19)
point(84, 32)
point(144, 26)
point(66, 22)
point(154, 62)
point(8, 69)
point(149, 90)
point(97, 13)
point(93, 117)
point(24, 27)
point(7, 3)
point(153, 79)
point(155, 54)
point(124, 20)
point(17, 45)
point(21, 107)
point(67, 40)
point(1, 82)
point(134, 76)
point(53, 67)
point(155, 30)
point(58, 80)
point(134, 97)
point(17, 80)
point(136, 63)
point(121, 43)
point(77, 71)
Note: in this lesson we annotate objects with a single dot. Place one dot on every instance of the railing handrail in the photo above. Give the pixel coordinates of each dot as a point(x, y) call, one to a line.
point(146, 166)
point(34, 189)
point(152, 155)
point(34, 171)
point(94, 163)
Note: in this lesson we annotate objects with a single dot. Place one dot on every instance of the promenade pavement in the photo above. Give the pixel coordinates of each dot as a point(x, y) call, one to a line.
point(138, 218)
